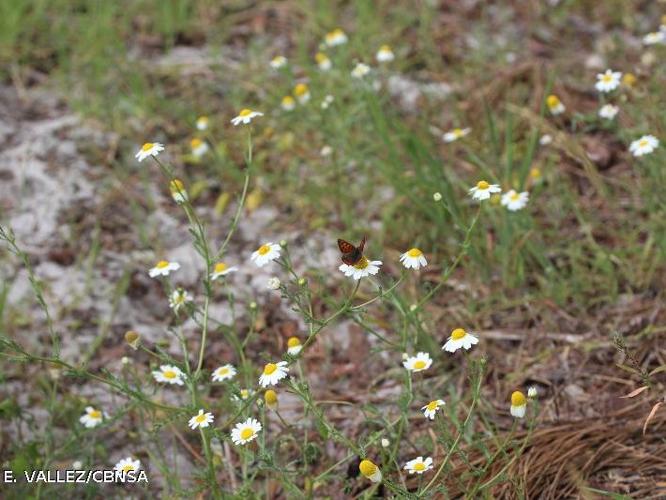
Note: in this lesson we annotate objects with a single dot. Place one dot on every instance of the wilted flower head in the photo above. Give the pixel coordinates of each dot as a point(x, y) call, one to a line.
point(554, 104)
point(179, 298)
point(271, 399)
point(608, 111)
point(202, 123)
point(518, 404)
point(370, 471)
point(132, 338)
point(323, 61)
point(360, 70)
point(278, 62)
point(335, 37)
point(384, 54)
point(288, 103)
point(198, 147)
point(294, 346)
point(302, 93)
point(455, 134)
point(177, 190)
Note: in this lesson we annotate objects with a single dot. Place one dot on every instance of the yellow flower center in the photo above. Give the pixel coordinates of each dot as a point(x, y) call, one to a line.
point(270, 368)
point(482, 185)
point(607, 78)
point(432, 406)
point(200, 418)
point(643, 142)
point(385, 48)
point(169, 374)
point(535, 173)
point(147, 146)
point(220, 267)
point(244, 393)
point(245, 112)
point(552, 101)
point(247, 433)
point(367, 468)
point(287, 100)
point(320, 57)
point(458, 132)
point(264, 249)
point(415, 252)
point(515, 196)
point(203, 120)
point(458, 333)
point(95, 414)
point(223, 371)
point(518, 399)
point(419, 365)
point(419, 466)
point(363, 263)
point(128, 468)
point(195, 143)
point(293, 342)
point(301, 89)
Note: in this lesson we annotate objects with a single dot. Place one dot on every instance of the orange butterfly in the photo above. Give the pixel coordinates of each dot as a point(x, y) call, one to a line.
point(351, 254)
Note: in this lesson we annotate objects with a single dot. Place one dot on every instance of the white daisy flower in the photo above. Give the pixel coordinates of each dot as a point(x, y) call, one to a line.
point(413, 259)
point(163, 268)
point(370, 471)
point(518, 404)
point(532, 392)
point(221, 269)
point(178, 192)
point(245, 116)
point(273, 373)
point(179, 298)
point(361, 269)
point(545, 139)
point(418, 465)
point(198, 147)
point(149, 149)
point(244, 432)
point(323, 61)
point(460, 338)
point(92, 417)
point(202, 123)
point(608, 111)
point(608, 81)
point(554, 105)
point(384, 54)
point(288, 103)
point(418, 363)
point(655, 38)
point(127, 465)
point(265, 254)
point(335, 37)
point(483, 190)
point(273, 283)
point(224, 372)
point(201, 420)
point(431, 408)
point(278, 62)
point(455, 134)
point(294, 346)
point(643, 146)
point(437, 196)
point(360, 70)
point(302, 93)
point(169, 374)
point(514, 201)
point(326, 151)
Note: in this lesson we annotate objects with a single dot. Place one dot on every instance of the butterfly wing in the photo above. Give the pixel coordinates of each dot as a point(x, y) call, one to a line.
point(361, 245)
point(350, 254)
